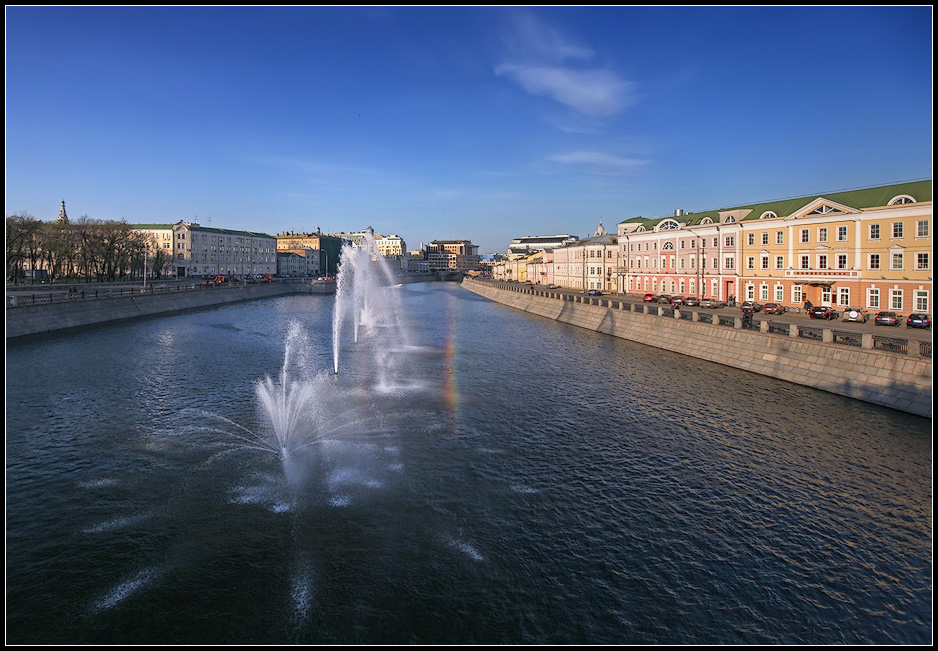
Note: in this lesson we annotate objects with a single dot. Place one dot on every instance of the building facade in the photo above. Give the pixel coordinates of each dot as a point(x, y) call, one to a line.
point(329, 245)
point(867, 248)
point(452, 255)
point(201, 251)
point(588, 263)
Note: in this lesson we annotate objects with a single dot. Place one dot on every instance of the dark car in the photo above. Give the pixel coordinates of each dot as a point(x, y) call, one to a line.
point(677, 300)
point(649, 298)
point(692, 301)
point(711, 302)
point(774, 308)
point(888, 318)
point(750, 306)
point(664, 298)
point(823, 312)
point(594, 292)
point(919, 321)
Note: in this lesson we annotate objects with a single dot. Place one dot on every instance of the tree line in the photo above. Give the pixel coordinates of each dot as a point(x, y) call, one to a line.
point(85, 249)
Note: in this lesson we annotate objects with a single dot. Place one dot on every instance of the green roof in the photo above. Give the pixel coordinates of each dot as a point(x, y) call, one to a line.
point(860, 198)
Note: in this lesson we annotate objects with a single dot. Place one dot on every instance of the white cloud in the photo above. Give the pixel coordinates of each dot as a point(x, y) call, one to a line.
point(599, 162)
point(596, 93)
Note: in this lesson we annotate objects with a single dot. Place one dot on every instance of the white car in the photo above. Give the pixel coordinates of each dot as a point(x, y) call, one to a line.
point(855, 314)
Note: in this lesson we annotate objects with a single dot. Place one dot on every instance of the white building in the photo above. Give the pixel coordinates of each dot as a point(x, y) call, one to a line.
point(199, 251)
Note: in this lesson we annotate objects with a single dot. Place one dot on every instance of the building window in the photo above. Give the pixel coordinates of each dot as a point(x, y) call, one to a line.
point(715, 288)
point(921, 261)
point(921, 301)
point(843, 296)
point(841, 261)
point(751, 262)
point(804, 236)
point(765, 262)
point(896, 230)
point(841, 233)
point(779, 237)
point(872, 298)
point(796, 294)
point(728, 263)
point(729, 241)
point(750, 292)
point(874, 231)
point(921, 228)
point(779, 293)
point(822, 235)
point(896, 262)
point(752, 239)
point(716, 242)
point(779, 262)
point(895, 299)
point(805, 263)
point(763, 292)
point(874, 261)
point(765, 238)
point(822, 261)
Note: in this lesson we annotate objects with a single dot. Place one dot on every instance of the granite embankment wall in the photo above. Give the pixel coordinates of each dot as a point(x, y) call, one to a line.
point(44, 317)
point(893, 380)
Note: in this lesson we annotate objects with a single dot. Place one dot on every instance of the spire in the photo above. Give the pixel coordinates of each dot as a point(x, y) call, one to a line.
point(600, 230)
point(63, 218)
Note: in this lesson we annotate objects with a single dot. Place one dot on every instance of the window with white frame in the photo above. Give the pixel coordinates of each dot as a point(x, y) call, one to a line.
point(715, 287)
point(843, 296)
point(921, 301)
point(841, 260)
point(765, 262)
point(779, 262)
point(822, 234)
point(921, 261)
point(841, 233)
point(729, 240)
point(895, 299)
point(750, 292)
point(896, 259)
point(779, 237)
point(805, 262)
point(763, 292)
point(872, 298)
point(874, 261)
point(779, 293)
point(692, 286)
point(728, 263)
point(765, 238)
point(921, 228)
point(751, 262)
point(822, 261)
point(796, 294)
point(805, 236)
point(752, 239)
point(874, 231)
point(896, 230)
point(681, 290)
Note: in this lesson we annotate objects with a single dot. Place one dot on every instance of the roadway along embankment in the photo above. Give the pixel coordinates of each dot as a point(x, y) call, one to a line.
point(893, 380)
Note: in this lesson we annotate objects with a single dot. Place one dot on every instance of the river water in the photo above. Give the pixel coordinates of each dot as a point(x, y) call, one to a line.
point(524, 482)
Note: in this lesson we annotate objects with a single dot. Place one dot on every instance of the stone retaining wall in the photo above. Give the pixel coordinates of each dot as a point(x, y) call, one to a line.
point(889, 379)
point(24, 320)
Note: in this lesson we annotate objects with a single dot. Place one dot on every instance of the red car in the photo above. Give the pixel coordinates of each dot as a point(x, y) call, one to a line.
point(650, 298)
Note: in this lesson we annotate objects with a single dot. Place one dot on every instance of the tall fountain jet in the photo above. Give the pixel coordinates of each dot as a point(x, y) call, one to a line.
point(365, 309)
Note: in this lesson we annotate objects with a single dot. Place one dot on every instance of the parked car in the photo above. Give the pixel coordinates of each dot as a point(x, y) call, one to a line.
point(650, 298)
point(692, 301)
point(551, 286)
point(919, 321)
point(677, 300)
point(774, 308)
point(823, 312)
point(855, 314)
point(751, 306)
point(664, 298)
point(712, 302)
point(594, 292)
point(888, 318)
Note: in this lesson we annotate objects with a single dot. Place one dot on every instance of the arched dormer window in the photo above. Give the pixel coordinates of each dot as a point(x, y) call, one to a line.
point(706, 220)
point(667, 246)
point(900, 200)
point(640, 229)
point(768, 214)
point(668, 225)
point(729, 220)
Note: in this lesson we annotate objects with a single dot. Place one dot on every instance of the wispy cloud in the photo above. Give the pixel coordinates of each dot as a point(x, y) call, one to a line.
point(547, 63)
point(599, 162)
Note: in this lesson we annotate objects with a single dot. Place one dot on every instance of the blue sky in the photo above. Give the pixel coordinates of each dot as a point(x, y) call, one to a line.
point(480, 123)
